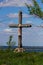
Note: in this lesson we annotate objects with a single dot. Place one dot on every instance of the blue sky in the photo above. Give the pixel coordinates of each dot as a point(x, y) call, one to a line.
point(9, 10)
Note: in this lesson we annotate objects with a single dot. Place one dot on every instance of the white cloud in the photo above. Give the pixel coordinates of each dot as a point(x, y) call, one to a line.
point(2, 25)
point(15, 15)
point(7, 30)
point(15, 3)
point(12, 15)
point(11, 22)
point(40, 32)
point(26, 15)
point(28, 21)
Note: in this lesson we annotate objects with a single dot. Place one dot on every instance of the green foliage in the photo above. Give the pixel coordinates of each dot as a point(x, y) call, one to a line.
point(42, 1)
point(10, 42)
point(25, 58)
point(35, 9)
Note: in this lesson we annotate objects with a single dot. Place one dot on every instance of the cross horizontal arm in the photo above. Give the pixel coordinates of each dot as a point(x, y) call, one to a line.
point(13, 25)
point(26, 25)
point(19, 25)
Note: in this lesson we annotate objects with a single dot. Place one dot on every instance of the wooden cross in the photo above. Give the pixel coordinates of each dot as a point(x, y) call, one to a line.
point(20, 26)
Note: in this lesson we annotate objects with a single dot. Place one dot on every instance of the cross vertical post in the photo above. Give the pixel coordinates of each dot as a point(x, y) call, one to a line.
point(20, 31)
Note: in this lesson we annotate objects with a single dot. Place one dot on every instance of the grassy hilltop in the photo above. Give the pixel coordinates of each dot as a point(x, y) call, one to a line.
point(25, 58)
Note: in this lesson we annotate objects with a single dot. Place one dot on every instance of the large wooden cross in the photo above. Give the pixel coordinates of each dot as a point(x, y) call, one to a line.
point(20, 26)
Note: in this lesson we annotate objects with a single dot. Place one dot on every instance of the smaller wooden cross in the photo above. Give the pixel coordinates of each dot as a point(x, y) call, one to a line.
point(20, 26)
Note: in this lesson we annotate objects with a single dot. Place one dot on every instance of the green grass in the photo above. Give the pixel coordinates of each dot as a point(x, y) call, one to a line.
point(25, 58)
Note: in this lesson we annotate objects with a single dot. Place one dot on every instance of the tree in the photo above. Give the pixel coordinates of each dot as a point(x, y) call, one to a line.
point(10, 42)
point(35, 9)
point(42, 1)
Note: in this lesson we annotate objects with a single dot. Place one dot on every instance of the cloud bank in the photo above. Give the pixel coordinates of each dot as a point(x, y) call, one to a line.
point(15, 15)
point(17, 3)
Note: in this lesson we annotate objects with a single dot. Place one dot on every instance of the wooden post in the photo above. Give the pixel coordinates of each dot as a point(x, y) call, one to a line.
point(20, 31)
